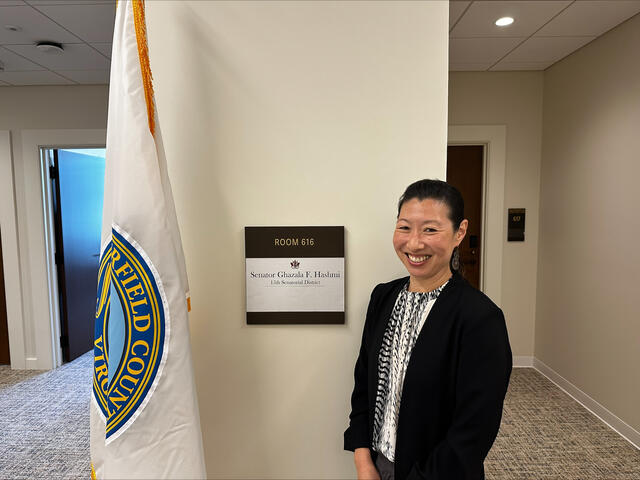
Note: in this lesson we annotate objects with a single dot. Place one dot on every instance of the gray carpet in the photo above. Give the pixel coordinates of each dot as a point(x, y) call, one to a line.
point(44, 422)
point(545, 434)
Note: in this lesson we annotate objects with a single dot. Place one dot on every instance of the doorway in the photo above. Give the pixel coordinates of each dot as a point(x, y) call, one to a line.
point(76, 188)
point(5, 357)
point(465, 171)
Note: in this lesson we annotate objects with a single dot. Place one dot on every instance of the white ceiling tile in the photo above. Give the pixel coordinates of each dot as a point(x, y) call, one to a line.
point(86, 77)
point(34, 27)
point(590, 18)
point(75, 57)
point(456, 8)
point(41, 77)
point(479, 19)
point(480, 50)
point(468, 67)
point(92, 23)
point(13, 62)
point(507, 66)
point(546, 49)
point(103, 48)
point(10, 3)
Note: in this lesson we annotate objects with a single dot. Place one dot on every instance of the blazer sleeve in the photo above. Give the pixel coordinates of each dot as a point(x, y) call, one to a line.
point(484, 368)
point(357, 434)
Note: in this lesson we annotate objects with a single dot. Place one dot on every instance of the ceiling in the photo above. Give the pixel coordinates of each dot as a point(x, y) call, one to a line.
point(83, 27)
point(544, 32)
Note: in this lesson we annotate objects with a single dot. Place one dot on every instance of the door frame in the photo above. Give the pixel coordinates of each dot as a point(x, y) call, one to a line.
point(50, 248)
point(493, 138)
point(50, 245)
point(39, 286)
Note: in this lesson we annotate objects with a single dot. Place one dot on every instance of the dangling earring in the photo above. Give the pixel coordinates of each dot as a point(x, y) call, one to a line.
point(455, 259)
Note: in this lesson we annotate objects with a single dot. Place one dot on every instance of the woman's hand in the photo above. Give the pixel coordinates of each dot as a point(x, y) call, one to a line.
point(365, 468)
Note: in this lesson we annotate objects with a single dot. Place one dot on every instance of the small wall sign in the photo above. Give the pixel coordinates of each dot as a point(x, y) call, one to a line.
point(294, 275)
point(515, 230)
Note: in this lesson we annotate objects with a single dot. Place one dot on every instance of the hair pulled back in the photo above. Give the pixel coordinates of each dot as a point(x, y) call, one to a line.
point(440, 191)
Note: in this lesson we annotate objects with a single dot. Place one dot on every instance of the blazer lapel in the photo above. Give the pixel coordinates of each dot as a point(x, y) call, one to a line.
point(438, 312)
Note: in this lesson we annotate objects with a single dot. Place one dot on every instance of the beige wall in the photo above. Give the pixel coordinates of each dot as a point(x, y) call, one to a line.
point(24, 110)
point(29, 108)
point(291, 114)
point(587, 326)
point(513, 99)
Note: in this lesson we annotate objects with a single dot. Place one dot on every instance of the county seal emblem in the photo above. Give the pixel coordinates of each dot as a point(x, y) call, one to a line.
point(131, 332)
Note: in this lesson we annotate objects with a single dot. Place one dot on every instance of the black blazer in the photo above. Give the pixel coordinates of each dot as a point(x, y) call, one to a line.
point(454, 386)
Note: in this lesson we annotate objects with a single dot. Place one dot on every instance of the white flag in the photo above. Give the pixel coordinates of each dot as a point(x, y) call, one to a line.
point(144, 411)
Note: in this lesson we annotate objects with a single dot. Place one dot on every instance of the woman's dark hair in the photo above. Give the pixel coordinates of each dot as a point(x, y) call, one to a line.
point(445, 193)
point(436, 190)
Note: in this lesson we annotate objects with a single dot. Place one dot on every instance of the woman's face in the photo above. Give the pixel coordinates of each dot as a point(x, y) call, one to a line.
point(424, 240)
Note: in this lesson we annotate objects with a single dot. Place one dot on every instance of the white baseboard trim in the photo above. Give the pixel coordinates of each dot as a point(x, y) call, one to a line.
point(617, 424)
point(520, 361)
point(31, 363)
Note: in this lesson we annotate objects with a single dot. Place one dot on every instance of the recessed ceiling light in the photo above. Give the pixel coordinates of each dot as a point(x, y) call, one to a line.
point(12, 28)
point(49, 47)
point(504, 21)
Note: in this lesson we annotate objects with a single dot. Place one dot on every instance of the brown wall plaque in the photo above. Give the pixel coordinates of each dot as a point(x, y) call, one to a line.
point(294, 275)
point(515, 222)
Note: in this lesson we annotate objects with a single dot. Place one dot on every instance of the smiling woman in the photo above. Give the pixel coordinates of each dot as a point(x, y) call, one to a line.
point(428, 231)
point(435, 360)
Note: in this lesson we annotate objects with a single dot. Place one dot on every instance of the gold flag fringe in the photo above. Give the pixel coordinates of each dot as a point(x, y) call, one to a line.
point(143, 54)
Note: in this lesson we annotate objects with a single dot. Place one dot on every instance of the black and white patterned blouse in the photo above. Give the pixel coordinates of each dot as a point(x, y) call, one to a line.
point(409, 314)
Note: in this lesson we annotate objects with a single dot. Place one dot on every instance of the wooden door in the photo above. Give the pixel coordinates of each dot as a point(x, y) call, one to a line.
point(5, 358)
point(464, 171)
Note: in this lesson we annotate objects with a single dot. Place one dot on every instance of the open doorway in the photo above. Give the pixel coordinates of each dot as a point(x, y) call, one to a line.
point(466, 172)
point(74, 188)
point(5, 356)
